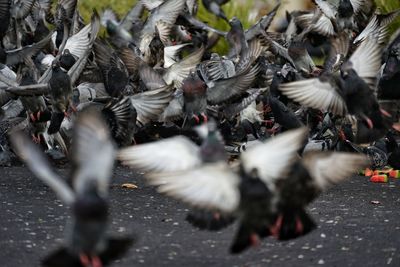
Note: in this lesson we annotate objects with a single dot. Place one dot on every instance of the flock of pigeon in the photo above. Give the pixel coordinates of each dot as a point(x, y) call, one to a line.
point(251, 136)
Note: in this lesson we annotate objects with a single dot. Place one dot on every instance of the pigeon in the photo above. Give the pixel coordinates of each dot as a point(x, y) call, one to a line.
point(211, 152)
point(36, 108)
point(67, 60)
point(120, 116)
point(251, 191)
point(86, 243)
point(308, 177)
point(236, 37)
point(376, 153)
point(331, 17)
point(119, 32)
point(16, 56)
point(393, 151)
point(387, 86)
point(195, 99)
point(5, 17)
point(161, 18)
point(347, 93)
point(250, 137)
point(283, 115)
point(378, 27)
point(60, 95)
point(302, 60)
point(214, 6)
point(115, 75)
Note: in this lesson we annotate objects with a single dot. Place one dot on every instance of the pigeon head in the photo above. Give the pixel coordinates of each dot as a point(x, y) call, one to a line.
point(347, 73)
point(392, 67)
point(215, 56)
point(183, 33)
point(67, 60)
point(193, 85)
point(55, 65)
point(235, 22)
point(213, 149)
point(27, 77)
point(111, 27)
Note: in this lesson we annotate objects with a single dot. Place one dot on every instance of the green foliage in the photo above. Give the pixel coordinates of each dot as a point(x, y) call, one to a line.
point(388, 6)
point(244, 10)
point(240, 9)
point(121, 7)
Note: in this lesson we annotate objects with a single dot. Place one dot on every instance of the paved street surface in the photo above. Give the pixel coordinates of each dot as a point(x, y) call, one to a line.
point(353, 231)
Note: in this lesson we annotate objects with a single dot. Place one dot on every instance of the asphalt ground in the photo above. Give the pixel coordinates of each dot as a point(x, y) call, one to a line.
point(359, 225)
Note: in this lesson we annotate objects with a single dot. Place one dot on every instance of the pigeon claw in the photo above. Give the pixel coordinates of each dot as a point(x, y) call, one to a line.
point(275, 229)
point(74, 109)
point(33, 119)
point(369, 122)
point(217, 216)
point(96, 262)
point(269, 122)
point(385, 113)
point(254, 240)
point(84, 259)
point(267, 109)
point(196, 118)
point(36, 139)
point(87, 261)
point(342, 135)
point(205, 118)
point(299, 226)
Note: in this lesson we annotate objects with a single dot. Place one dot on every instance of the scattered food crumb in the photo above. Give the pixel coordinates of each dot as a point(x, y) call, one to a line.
point(129, 186)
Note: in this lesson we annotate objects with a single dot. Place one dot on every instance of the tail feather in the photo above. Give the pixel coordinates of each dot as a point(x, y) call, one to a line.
point(55, 122)
point(121, 117)
point(45, 116)
point(63, 258)
point(248, 236)
point(295, 224)
point(242, 240)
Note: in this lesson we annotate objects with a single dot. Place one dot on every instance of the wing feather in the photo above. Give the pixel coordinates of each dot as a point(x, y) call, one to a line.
point(366, 60)
point(39, 165)
point(273, 158)
point(93, 152)
point(327, 168)
point(315, 93)
point(150, 104)
point(213, 186)
point(168, 155)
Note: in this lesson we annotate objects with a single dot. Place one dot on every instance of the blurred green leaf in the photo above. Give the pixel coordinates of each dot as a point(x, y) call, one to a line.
point(387, 6)
point(244, 10)
point(121, 7)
